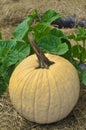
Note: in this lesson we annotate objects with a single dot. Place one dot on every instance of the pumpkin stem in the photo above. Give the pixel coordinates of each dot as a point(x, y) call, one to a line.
point(44, 62)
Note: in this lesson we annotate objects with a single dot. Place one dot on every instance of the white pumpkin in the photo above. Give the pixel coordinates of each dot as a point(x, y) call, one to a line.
point(44, 95)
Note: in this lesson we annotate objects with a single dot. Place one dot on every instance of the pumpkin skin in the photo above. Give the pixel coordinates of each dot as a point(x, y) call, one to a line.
point(44, 95)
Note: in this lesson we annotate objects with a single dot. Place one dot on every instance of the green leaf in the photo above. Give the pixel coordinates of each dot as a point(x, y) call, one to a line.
point(12, 52)
point(5, 74)
point(58, 33)
point(79, 36)
point(12, 58)
point(62, 49)
point(50, 16)
point(34, 15)
point(79, 52)
point(40, 30)
point(3, 86)
point(64, 39)
point(81, 33)
point(23, 50)
point(21, 31)
point(5, 49)
point(52, 44)
point(4, 79)
point(84, 78)
point(7, 43)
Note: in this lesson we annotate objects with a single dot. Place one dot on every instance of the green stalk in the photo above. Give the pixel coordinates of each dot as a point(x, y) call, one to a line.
point(43, 61)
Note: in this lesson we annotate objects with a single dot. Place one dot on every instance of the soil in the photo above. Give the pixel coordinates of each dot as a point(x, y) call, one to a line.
point(13, 12)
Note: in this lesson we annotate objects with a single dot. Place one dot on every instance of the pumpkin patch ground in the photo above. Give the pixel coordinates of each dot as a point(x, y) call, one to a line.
point(12, 13)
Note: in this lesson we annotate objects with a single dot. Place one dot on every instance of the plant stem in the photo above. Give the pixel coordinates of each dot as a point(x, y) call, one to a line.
point(43, 61)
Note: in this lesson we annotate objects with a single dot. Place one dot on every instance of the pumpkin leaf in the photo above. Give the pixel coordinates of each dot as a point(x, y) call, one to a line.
point(58, 33)
point(21, 31)
point(53, 44)
point(50, 16)
point(79, 36)
point(5, 73)
point(40, 30)
point(62, 49)
point(23, 50)
point(12, 52)
point(5, 50)
point(79, 52)
point(64, 39)
point(3, 85)
point(84, 78)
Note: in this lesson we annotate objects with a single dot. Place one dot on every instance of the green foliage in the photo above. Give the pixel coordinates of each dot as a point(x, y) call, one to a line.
point(48, 38)
point(43, 27)
point(40, 30)
point(78, 51)
point(84, 78)
point(12, 52)
point(52, 43)
point(49, 16)
point(80, 36)
point(21, 31)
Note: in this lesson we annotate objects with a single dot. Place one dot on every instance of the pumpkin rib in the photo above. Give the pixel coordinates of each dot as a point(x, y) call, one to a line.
point(19, 73)
point(20, 85)
point(25, 66)
point(61, 110)
point(42, 72)
point(58, 92)
point(58, 95)
point(50, 85)
point(23, 69)
point(30, 75)
point(19, 82)
point(34, 104)
point(31, 82)
point(63, 88)
point(78, 83)
point(65, 92)
point(49, 96)
point(60, 102)
point(30, 60)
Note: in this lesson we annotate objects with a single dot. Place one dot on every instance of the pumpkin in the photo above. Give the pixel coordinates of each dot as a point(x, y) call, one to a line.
point(44, 94)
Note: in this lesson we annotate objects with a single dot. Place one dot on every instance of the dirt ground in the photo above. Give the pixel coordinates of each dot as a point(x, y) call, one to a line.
point(13, 12)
